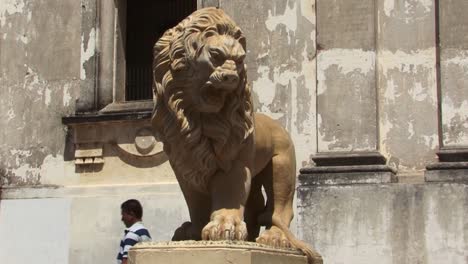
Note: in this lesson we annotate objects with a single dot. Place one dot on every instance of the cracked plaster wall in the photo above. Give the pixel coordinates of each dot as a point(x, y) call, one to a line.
point(407, 83)
point(453, 70)
point(39, 80)
point(346, 92)
point(281, 64)
point(376, 75)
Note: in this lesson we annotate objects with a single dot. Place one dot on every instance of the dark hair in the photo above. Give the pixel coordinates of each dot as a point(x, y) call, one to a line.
point(133, 207)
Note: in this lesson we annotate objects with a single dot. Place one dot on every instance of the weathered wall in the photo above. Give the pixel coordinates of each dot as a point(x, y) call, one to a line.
point(39, 80)
point(395, 223)
point(281, 63)
point(346, 92)
point(407, 83)
point(356, 76)
point(453, 72)
point(76, 225)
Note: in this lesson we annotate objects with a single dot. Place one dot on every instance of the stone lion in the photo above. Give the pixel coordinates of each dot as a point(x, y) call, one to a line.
point(221, 152)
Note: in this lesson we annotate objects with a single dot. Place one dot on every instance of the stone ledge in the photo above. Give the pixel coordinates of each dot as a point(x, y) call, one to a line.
point(106, 117)
point(349, 158)
point(447, 172)
point(453, 155)
point(213, 252)
point(346, 175)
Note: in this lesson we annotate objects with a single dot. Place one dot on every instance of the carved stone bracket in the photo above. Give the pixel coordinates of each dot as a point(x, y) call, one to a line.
point(88, 153)
point(128, 136)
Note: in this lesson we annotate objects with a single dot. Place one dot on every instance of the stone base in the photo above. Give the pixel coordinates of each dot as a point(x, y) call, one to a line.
point(447, 172)
point(212, 252)
point(337, 175)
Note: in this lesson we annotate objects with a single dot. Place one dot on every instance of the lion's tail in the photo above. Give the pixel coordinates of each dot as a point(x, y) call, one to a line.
point(313, 257)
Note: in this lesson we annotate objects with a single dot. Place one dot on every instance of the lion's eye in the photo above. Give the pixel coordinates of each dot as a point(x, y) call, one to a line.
point(216, 55)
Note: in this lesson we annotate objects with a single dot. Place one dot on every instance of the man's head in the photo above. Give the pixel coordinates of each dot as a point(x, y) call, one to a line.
point(132, 212)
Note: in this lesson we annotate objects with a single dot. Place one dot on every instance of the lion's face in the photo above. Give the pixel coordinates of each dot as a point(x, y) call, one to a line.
point(218, 66)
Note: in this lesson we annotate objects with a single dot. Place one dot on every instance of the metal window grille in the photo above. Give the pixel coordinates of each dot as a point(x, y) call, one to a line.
point(147, 20)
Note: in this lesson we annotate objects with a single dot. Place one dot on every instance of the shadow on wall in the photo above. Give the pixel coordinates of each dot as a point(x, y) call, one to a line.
point(69, 148)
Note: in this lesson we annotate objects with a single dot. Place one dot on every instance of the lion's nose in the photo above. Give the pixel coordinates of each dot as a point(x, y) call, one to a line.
point(230, 78)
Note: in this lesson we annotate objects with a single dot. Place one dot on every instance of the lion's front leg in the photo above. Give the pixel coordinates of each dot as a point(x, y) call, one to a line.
point(229, 195)
point(199, 210)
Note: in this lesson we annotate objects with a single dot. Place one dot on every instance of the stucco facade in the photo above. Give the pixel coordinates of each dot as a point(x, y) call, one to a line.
point(374, 94)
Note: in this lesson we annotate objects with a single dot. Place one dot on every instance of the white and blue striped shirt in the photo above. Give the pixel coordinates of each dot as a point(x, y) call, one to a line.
point(134, 234)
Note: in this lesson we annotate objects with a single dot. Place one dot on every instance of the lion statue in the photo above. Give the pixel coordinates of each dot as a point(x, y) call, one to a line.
point(221, 152)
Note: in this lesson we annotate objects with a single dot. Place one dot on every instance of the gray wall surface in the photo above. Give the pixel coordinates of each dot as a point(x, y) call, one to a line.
point(78, 225)
point(392, 223)
point(39, 80)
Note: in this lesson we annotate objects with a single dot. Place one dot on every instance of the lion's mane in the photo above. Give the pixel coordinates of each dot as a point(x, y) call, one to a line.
point(198, 144)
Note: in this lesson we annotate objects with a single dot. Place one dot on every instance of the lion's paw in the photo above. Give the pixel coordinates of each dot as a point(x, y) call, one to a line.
point(225, 226)
point(274, 237)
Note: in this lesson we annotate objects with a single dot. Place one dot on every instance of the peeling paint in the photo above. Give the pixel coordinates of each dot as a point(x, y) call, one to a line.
point(406, 62)
point(412, 9)
point(390, 93)
point(53, 170)
point(10, 114)
point(410, 130)
point(25, 171)
point(415, 63)
point(264, 86)
point(47, 97)
point(431, 141)
point(408, 94)
point(87, 51)
point(460, 60)
point(66, 95)
point(307, 10)
point(289, 18)
point(455, 120)
point(10, 7)
point(347, 61)
point(389, 5)
point(23, 39)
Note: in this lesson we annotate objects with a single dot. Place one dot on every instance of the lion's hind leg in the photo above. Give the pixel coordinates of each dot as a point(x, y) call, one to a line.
point(279, 210)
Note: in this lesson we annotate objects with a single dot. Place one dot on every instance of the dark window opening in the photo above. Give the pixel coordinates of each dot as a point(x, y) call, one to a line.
point(147, 20)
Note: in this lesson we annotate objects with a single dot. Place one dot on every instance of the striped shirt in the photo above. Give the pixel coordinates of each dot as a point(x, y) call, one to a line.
point(134, 234)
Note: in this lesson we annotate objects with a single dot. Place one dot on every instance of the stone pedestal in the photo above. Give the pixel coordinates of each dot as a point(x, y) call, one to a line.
point(212, 252)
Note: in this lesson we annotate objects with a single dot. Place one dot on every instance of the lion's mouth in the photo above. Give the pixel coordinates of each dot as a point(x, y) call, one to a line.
point(213, 96)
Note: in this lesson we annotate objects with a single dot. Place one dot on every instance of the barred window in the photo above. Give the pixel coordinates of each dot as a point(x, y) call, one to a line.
point(147, 20)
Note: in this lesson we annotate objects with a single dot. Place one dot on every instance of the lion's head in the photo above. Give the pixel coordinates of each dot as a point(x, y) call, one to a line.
point(203, 109)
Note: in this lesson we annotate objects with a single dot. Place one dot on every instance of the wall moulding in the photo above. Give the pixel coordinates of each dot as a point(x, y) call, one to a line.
point(345, 168)
point(128, 136)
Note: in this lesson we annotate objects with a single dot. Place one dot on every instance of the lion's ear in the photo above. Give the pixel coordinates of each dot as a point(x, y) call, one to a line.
point(243, 42)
